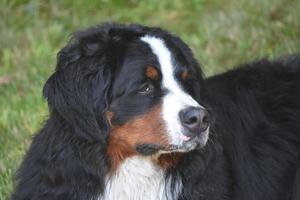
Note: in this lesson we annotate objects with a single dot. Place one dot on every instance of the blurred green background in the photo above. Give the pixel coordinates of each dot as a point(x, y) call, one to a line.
point(222, 34)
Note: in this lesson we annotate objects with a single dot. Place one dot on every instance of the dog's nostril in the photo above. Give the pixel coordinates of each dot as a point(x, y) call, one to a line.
point(194, 118)
point(204, 125)
point(206, 118)
point(205, 121)
point(190, 117)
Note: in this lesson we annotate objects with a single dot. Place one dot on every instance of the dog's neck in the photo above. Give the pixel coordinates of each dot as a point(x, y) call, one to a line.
point(140, 178)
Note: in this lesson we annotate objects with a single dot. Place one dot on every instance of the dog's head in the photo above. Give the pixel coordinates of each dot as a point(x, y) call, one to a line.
point(135, 88)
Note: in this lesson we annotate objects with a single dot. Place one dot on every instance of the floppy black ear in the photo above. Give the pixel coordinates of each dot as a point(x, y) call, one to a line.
point(78, 90)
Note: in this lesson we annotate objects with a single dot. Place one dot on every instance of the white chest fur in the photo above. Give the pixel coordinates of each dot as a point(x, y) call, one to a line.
point(138, 178)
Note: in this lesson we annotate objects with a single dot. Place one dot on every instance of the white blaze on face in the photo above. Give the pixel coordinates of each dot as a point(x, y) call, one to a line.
point(176, 99)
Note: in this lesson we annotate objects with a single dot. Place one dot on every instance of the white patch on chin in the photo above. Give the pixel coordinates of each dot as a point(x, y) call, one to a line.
point(139, 178)
point(176, 99)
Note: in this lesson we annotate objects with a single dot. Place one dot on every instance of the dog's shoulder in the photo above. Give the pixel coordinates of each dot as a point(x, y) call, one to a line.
point(257, 113)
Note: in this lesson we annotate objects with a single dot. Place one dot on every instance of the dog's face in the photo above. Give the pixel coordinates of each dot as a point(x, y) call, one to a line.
point(149, 88)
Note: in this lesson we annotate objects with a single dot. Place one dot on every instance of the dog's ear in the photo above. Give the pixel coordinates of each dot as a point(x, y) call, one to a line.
point(78, 89)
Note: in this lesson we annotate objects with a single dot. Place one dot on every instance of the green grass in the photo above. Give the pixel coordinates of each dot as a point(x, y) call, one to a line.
point(31, 32)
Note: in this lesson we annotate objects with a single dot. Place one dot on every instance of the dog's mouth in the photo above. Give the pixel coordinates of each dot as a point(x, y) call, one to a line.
point(187, 146)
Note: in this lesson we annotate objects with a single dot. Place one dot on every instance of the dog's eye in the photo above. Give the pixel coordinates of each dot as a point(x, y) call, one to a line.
point(146, 88)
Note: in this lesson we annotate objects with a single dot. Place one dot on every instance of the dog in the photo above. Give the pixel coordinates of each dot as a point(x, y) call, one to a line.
point(131, 117)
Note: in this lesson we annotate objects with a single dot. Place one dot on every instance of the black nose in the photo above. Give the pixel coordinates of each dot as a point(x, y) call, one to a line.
point(195, 118)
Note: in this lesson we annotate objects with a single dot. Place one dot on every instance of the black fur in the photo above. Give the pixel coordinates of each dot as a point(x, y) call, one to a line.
point(254, 147)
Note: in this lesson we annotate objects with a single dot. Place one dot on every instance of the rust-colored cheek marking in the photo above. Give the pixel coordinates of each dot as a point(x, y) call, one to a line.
point(144, 129)
point(184, 75)
point(168, 160)
point(152, 73)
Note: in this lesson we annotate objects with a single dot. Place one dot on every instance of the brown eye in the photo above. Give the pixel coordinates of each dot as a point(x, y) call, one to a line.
point(146, 88)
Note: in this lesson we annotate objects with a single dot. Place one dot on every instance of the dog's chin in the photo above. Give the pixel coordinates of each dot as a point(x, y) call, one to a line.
point(197, 142)
point(186, 147)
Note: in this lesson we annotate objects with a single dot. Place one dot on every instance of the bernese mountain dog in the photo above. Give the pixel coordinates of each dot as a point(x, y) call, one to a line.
point(132, 118)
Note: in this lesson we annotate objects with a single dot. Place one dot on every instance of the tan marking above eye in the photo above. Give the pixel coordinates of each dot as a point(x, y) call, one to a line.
point(152, 73)
point(184, 75)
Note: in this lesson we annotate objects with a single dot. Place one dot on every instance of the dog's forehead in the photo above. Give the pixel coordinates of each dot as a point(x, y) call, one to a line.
point(149, 51)
point(146, 49)
point(136, 59)
point(170, 58)
point(139, 55)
